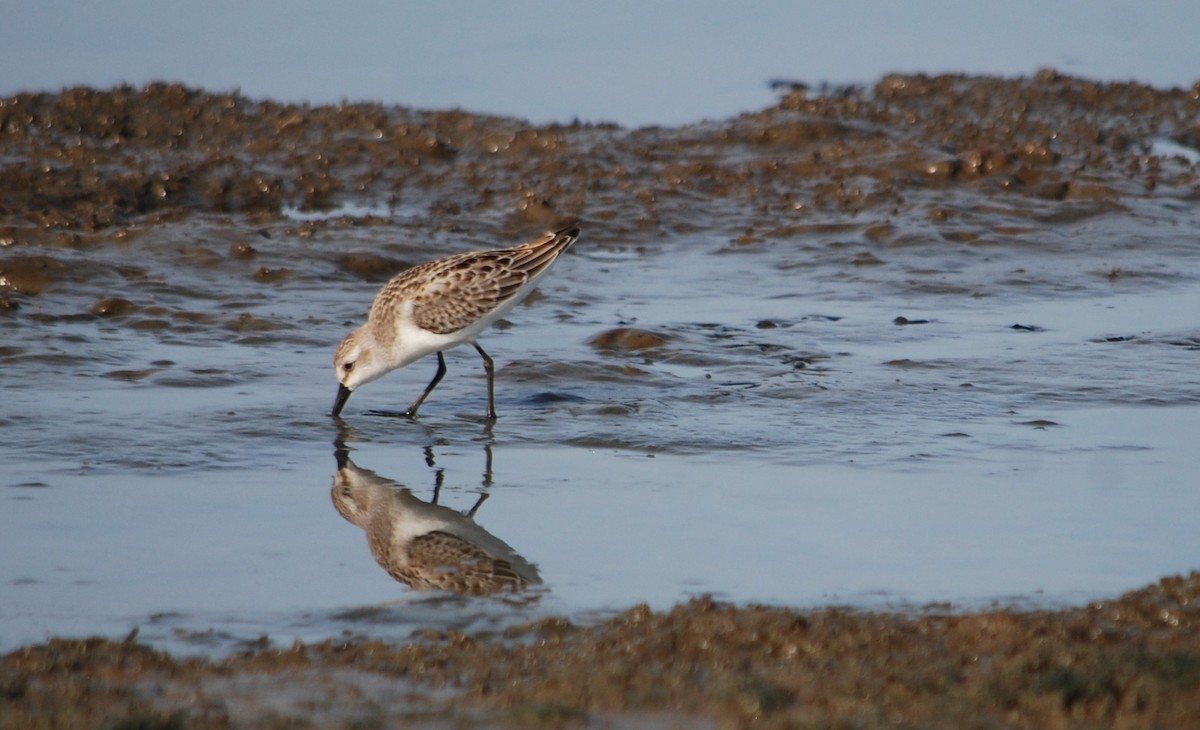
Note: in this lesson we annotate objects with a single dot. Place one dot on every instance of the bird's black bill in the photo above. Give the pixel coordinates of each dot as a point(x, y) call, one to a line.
point(342, 396)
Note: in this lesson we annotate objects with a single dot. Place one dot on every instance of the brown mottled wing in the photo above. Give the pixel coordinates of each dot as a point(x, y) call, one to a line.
point(452, 293)
point(450, 563)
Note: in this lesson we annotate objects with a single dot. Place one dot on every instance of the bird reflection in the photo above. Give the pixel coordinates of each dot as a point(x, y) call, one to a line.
point(423, 544)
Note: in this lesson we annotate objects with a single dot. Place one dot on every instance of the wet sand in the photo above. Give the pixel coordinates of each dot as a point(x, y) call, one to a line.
point(952, 178)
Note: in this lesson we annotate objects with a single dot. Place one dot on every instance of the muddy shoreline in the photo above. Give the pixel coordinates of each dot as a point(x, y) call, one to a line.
point(84, 164)
point(1133, 662)
point(96, 183)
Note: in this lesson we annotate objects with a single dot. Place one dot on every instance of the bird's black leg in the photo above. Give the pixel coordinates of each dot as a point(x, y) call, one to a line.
point(437, 378)
point(490, 368)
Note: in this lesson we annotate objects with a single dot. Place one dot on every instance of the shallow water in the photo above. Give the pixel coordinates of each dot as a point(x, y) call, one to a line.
point(179, 481)
point(964, 396)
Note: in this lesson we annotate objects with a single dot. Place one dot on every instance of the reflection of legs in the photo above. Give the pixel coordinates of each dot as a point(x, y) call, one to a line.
point(487, 476)
point(490, 368)
point(438, 479)
point(482, 498)
point(437, 378)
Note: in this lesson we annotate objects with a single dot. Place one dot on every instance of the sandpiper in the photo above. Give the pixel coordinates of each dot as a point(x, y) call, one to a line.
point(441, 304)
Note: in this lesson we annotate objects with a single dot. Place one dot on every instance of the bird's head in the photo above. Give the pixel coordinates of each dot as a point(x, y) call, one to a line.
point(355, 363)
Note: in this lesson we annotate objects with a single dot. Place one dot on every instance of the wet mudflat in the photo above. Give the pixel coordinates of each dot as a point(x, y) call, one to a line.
point(931, 341)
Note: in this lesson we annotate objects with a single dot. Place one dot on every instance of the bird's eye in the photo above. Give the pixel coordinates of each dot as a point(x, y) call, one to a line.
point(348, 366)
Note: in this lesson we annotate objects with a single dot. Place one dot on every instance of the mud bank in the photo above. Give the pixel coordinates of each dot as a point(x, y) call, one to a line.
point(85, 161)
point(1133, 663)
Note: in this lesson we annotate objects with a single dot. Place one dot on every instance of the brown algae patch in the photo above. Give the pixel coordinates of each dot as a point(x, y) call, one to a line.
point(113, 307)
point(30, 274)
point(1133, 662)
point(628, 338)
